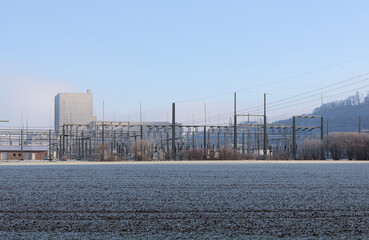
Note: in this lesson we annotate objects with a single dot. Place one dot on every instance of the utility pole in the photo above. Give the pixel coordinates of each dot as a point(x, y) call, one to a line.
point(235, 123)
point(248, 133)
point(209, 142)
point(243, 142)
point(322, 137)
point(82, 145)
point(205, 128)
point(60, 152)
point(193, 130)
point(103, 133)
point(167, 131)
point(174, 130)
point(294, 137)
point(193, 140)
point(359, 124)
point(63, 148)
point(141, 130)
point(265, 128)
point(22, 145)
point(50, 145)
point(321, 130)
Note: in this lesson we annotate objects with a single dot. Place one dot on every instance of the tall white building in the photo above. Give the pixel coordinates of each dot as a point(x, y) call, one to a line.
point(73, 108)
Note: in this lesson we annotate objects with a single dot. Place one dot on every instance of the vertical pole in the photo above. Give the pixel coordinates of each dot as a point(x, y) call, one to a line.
point(205, 137)
point(69, 141)
point(86, 147)
point(63, 149)
point(209, 134)
point(209, 144)
point(321, 137)
point(265, 128)
point(321, 130)
point(50, 145)
point(115, 143)
point(235, 123)
point(21, 142)
point(243, 142)
point(248, 133)
point(193, 139)
point(174, 130)
point(193, 130)
point(90, 146)
point(60, 147)
point(181, 148)
point(258, 138)
point(141, 130)
point(167, 140)
point(136, 150)
point(79, 148)
point(82, 145)
point(75, 140)
point(294, 137)
point(103, 134)
point(218, 138)
point(205, 127)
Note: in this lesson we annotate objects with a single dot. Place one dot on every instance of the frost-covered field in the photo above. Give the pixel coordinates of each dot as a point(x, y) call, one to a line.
point(192, 200)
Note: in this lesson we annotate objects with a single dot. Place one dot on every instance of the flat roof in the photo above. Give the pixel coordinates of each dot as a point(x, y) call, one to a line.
point(25, 148)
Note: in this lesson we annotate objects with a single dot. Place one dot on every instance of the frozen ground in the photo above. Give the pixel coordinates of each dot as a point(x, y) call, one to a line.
point(185, 201)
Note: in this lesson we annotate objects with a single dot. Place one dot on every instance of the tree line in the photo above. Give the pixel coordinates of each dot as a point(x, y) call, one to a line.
point(338, 145)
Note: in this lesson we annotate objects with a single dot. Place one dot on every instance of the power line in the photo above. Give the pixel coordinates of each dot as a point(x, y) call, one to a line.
point(278, 81)
point(278, 102)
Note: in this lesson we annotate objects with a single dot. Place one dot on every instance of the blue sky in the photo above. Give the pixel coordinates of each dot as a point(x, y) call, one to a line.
point(159, 52)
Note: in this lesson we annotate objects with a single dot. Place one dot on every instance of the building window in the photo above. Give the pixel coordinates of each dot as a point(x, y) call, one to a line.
point(19, 154)
point(14, 154)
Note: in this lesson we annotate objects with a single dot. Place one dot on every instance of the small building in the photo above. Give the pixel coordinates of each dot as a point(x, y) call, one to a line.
point(27, 153)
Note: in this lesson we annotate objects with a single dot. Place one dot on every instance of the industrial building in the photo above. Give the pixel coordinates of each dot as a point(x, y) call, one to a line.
point(23, 152)
point(73, 108)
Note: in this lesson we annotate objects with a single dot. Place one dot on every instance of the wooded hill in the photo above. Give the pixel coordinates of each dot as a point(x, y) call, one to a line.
point(342, 115)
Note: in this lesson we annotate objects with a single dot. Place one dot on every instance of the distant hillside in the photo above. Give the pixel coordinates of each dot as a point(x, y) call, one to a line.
point(342, 115)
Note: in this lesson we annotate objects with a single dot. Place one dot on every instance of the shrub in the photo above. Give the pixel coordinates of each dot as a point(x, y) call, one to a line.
point(311, 149)
point(350, 145)
point(195, 154)
point(229, 154)
point(334, 143)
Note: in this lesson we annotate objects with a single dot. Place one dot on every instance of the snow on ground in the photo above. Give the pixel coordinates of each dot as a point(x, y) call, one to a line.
point(185, 200)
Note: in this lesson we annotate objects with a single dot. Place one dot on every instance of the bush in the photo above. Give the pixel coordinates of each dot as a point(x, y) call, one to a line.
point(348, 145)
point(195, 154)
point(250, 156)
point(229, 154)
point(311, 149)
point(334, 143)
